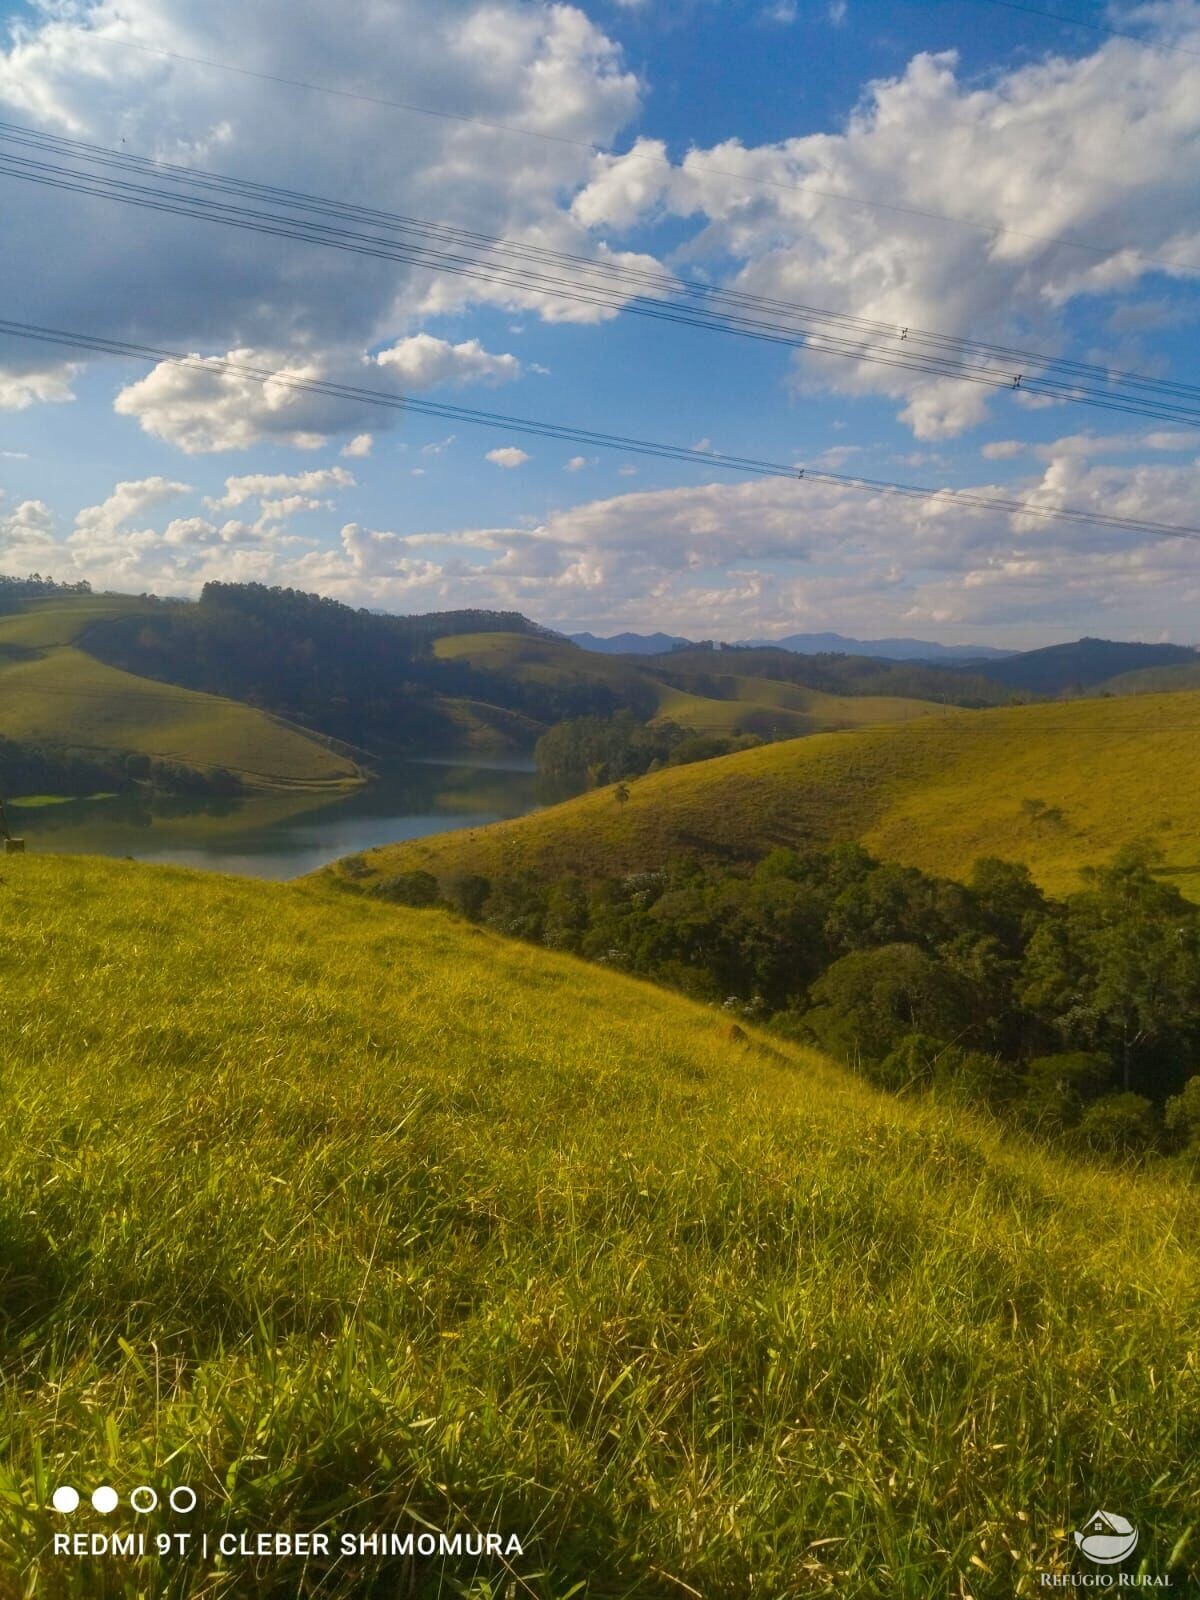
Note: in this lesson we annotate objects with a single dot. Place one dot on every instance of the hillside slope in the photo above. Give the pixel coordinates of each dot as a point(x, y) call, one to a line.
point(693, 688)
point(356, 1218)
point(1080, 665)
point(1058, 786)
point(53, 692)
point(1156, 680)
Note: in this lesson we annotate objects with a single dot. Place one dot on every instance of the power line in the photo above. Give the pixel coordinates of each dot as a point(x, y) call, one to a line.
point(593, 438)
point(839, 197)
point(603, 285)
point(1092, 27)
point(656, 278)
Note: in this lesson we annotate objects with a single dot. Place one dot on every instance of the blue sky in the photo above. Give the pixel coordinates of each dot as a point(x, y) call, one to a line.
point(730, 128)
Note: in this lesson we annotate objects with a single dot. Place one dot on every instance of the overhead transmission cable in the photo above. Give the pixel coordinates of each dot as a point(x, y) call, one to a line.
point(1092, 27)
point(641, 157)
point(608, 285)
point(629, 444)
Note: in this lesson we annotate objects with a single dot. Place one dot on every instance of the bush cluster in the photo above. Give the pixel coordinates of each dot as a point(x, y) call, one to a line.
point(1078, 1017)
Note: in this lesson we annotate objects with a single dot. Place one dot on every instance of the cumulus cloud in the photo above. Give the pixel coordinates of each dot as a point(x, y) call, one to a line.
point(507, 456)
point(722, 559)
point(358, 447)
point(131, 498)
point(1003, 449)
point(1087, 149)
point(176, 282)
point(208, 406)
point(26, 532)
point(205, 407)
point(22, 387)
point(254, 485)
point(423, 362)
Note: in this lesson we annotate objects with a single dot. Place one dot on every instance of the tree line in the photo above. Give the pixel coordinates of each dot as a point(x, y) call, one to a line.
point(1077, 1016)
point(589, 752)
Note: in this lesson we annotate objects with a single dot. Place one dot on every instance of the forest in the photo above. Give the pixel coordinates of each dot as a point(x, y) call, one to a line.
point(1077, 1017)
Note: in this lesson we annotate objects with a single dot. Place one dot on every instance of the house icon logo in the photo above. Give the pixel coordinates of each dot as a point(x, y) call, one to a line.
point(1107, 1537)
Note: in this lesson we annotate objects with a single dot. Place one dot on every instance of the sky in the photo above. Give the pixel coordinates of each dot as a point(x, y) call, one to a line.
point(994, 172)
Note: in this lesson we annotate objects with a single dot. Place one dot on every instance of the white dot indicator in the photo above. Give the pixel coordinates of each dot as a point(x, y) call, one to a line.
point(182, 1498)
point(105, 1499)
point(143, 1498)
point(65, 1499)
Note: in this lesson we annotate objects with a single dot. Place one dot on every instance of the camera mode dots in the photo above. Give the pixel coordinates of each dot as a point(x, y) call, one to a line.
point(105, 1499)
point(65, 1498)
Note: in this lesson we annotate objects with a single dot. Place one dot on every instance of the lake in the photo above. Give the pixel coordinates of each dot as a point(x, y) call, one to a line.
point(286, 834)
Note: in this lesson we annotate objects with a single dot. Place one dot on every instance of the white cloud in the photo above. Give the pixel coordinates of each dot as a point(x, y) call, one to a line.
point(507, 456)
point(423, 362)
point(205, 408)
point(577, 463)
point(255, 485)
point(130, 498)
point(22, 387)
point(725, 559)
point(1088, 149)
point(184, 284)
point(624, 189)
point(358, 447)
point(1003, 449)
point(26, 531)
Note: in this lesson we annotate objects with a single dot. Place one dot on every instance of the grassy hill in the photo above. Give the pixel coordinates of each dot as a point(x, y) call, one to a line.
point(1080, 665)
point(1156, 680)
point(54, 692)
point(694, 688)
point(1059, 786)
point(358, 1218)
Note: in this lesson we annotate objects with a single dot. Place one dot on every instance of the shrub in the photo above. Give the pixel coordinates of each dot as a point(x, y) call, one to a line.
point(1058, 1087)
point(409, 889)
point(1118, 1123)
point(1182, 1116)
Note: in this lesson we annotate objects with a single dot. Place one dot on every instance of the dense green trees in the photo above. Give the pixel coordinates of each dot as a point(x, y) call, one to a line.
point(588, 752)
point(370, 680)
point(1078, 1017)
point(27, 769)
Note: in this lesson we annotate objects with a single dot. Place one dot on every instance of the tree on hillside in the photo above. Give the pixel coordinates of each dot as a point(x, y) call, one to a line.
point(1119, 971)
point(868, 1001)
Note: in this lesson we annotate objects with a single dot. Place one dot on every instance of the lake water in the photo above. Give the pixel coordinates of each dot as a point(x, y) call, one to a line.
point(284, 835)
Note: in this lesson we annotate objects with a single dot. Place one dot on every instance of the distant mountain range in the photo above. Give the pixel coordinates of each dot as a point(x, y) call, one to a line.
point(805, 644)
point(1081, 665)
point(812, 644)
point(630, 644)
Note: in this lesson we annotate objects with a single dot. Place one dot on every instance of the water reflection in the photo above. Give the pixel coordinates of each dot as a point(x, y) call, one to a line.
point(286, 834)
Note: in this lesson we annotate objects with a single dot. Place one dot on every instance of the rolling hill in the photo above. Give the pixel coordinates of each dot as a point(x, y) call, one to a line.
point(360, 1219)
point(1079, 666)
point(694, 688)
point(1155, 680)
point(1059, 786)
point(52, 692)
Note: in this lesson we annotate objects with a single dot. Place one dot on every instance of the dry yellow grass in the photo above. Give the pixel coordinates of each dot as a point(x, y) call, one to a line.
point(937, 792)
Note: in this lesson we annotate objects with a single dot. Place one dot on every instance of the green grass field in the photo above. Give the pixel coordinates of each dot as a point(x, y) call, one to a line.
point(937, 792)
point(53, 692)
point(355, 1217)
point(1156, 680)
